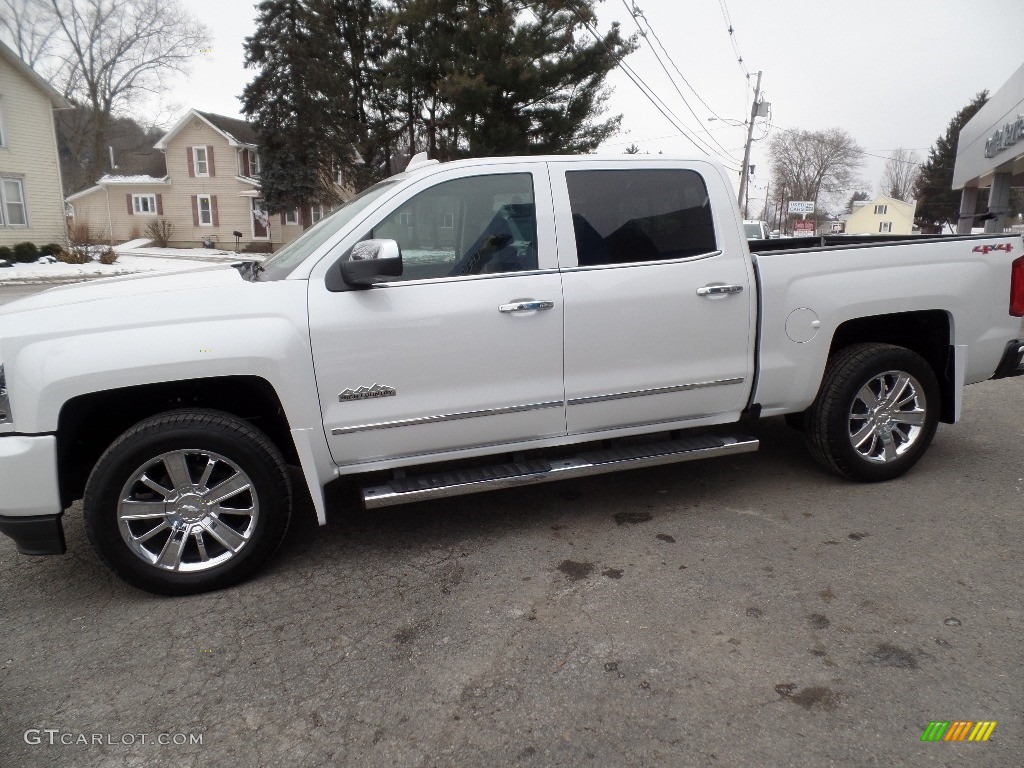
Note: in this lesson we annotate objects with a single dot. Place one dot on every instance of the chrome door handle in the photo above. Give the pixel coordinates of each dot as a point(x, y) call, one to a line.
point(719, 290)
point(526, 305)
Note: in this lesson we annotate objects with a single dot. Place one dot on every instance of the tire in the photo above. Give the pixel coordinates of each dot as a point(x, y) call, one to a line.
point(188, 501)
point(853, 433)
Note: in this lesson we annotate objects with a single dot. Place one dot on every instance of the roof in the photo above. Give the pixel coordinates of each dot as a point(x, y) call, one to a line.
point(108, 180)
point(238, 132)
point(58, 101)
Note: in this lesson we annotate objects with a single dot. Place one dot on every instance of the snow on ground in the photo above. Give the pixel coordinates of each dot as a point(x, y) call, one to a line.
point(129, 261)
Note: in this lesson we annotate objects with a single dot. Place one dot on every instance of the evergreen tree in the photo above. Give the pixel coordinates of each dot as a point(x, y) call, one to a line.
point(937, 202)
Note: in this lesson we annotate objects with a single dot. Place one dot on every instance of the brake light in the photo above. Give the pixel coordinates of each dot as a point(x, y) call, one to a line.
point(1017, 287)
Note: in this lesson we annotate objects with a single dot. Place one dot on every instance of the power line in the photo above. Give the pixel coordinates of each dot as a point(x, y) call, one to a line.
point(637, 14)
point(639, 83)
point(732, 37)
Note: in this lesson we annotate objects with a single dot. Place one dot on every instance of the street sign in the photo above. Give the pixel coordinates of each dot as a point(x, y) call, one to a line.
point(803, 228)
point(801, 206)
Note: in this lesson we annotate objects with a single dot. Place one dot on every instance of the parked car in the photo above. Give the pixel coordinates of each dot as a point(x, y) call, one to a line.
point(756, 230)
point(476, 325)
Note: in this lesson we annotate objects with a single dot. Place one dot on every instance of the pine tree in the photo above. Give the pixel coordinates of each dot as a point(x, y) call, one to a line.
point(937, 201)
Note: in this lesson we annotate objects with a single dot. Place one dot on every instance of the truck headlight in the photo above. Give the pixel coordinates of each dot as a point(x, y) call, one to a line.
point(5, 403)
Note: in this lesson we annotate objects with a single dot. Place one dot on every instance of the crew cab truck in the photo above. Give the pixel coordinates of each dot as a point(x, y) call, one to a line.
point(475, 325)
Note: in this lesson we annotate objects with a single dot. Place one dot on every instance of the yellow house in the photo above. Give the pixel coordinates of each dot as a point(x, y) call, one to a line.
point(882, 216)
point(31, 197)
point(210, 190)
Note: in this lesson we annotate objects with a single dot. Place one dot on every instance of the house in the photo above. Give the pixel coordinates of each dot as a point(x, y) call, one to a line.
point(31, 196)
point(209, 189)
point(881, 216)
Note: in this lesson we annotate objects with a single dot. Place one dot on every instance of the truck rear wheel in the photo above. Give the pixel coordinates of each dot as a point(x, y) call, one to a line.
point(188, 501)
point(876, 412)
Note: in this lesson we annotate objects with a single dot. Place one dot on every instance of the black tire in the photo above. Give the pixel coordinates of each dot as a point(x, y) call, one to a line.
point(222, 457)
point(842, 413)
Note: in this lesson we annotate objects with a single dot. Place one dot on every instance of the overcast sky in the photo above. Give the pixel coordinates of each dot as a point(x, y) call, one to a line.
point(892, 74)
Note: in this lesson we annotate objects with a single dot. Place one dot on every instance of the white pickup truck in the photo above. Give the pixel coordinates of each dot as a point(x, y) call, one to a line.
point(476, 325)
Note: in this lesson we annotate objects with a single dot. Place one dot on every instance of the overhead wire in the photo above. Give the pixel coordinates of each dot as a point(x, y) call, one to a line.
point(637, 14)
point(647, 91)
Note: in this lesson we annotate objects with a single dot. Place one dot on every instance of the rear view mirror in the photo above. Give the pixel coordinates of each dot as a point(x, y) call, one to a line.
point(370, 261)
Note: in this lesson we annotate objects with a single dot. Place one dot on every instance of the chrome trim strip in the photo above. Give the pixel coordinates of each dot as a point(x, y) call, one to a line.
point(463, 278)
point(656, 391)
point(682, 260)
point(446, 417)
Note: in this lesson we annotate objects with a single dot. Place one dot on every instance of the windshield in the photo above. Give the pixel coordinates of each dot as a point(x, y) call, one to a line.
point(753, 231)
point(293, 254)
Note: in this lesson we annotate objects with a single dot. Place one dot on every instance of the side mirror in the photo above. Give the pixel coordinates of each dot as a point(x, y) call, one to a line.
point(370, 261)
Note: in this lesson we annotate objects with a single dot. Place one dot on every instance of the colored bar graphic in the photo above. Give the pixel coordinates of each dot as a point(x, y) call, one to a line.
point(958, 730)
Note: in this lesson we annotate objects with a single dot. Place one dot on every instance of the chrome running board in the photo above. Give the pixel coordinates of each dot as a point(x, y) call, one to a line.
point(460, 482)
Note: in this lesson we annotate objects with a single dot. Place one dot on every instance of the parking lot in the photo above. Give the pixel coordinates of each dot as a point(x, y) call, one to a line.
point(745, 611)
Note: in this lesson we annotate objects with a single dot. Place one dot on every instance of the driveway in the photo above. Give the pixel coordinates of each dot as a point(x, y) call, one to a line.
point(745, 611)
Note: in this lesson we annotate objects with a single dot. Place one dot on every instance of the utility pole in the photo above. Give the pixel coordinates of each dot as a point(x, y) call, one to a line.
point(745, 170)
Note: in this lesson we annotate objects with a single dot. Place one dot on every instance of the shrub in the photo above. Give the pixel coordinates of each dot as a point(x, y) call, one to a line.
point(76, 254)
point(79, 234)
point(26, 253)
point(160, 232)
point(6, 253)
point(109, 256)
point(133, 233)
point(50, 249)
point(258, 247)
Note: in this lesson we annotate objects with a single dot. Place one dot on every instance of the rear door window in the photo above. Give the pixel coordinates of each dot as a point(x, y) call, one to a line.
point(630, 216)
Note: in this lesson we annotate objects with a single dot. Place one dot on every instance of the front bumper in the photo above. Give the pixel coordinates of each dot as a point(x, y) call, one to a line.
point(1012, 363)
point(30, 507)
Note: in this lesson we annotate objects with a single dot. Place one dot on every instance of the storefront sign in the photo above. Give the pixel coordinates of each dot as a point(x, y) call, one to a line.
point(1005, 137)
point(801, 206)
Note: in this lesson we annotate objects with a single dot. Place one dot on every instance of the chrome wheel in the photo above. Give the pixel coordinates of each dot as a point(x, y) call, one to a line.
point(187, 510)
point(887, 416)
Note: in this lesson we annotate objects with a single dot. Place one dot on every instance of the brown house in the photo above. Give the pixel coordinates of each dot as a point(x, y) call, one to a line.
point(209, 190)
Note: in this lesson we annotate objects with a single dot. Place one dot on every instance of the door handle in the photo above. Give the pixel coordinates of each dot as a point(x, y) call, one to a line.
point(719, 290)
point(526, 305)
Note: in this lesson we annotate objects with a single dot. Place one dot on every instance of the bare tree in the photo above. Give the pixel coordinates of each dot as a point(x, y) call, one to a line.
point(112, 54)
point(900, 175)
point(814, 165)
point(28, 27)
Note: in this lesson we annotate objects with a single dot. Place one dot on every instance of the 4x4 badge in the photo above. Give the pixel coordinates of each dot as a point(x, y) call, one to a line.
point(367, 393)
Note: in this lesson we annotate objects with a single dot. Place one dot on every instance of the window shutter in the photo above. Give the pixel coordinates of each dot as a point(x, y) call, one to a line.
point(131, 209)
point(245, 163)
point(282, 218)
point(195, 210)
point(191, 161)
point(159, 205)
point(209, 161)
point(213, 210)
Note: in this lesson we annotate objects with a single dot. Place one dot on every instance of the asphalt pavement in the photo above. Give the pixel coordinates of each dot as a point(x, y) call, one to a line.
point(744, 611)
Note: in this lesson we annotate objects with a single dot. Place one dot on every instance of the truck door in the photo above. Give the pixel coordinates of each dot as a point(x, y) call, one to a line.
point(464, 349)
point(659, 304)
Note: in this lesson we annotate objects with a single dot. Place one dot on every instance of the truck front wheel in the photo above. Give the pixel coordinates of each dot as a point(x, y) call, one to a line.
point(187, 501)
point(876, 412)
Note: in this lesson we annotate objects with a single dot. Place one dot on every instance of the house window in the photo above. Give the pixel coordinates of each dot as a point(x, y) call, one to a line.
point(254, 163)
point(202, 167)
point(881, 210)
point(317, 212)
point(405, 219)
point(447, 221)
point(291, 216)
point(205, 211)
point(12, 203)
point(885, 226)
point(144, 204)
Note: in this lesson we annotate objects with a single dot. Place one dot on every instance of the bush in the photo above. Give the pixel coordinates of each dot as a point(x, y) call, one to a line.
point(257, 247)
point(51, 249)
point(76, 254)
point(109, 256)
point(6, 253)
point(160, 232)
point(79, 234)
point(26, 253)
